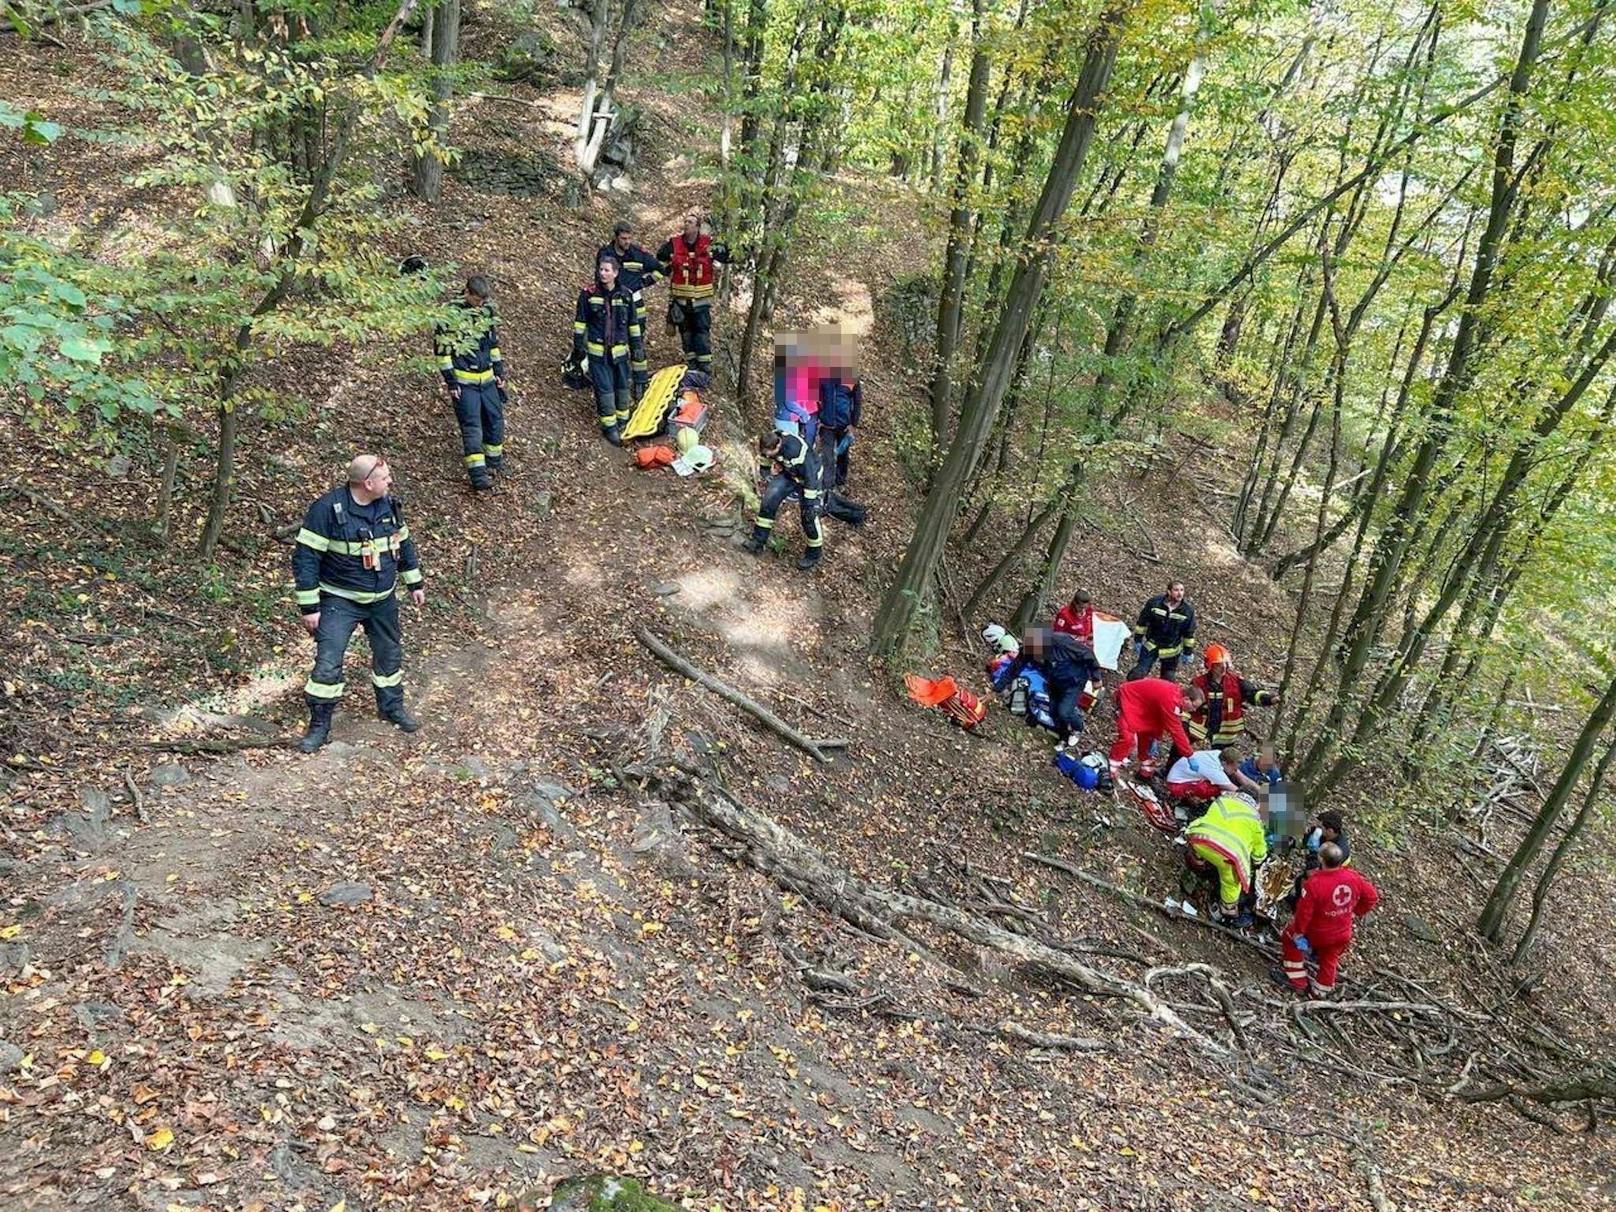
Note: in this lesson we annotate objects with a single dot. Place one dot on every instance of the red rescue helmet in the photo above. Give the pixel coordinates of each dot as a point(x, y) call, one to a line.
point(1216, 654)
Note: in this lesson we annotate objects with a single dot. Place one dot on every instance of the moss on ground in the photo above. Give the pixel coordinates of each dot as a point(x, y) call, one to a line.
point(605, 1193)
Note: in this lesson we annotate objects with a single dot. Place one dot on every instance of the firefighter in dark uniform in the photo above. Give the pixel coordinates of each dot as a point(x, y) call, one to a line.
point(641, 271)
point(351, 554)
point(473, 369)
point(689, 258)
point(790, 467)
point(604, 329)
point(1165, 632)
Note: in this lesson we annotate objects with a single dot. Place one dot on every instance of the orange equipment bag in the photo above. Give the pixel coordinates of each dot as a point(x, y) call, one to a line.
point(647, 457)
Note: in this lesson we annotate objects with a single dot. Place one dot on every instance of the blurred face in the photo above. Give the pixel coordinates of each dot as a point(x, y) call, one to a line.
point(1175, 593)
point(473, 299)
point(1264, 762)
point(606, 271)
point(692, 228)
point(623, 240)
point(1216, 671)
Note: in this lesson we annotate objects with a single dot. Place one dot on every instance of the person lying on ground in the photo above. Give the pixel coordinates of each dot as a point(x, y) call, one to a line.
point(1333, 898)
point(1263, 767)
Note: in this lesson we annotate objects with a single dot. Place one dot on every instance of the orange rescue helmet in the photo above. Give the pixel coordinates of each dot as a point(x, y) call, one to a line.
point(1216, 654)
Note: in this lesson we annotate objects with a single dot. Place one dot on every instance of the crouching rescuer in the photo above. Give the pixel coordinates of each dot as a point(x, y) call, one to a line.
point(351, 554)
point(790, 466)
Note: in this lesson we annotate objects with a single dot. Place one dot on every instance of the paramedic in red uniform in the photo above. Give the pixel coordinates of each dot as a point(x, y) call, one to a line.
point(689, 258)
point(1147, 708)
point(1076, 618)
point(1333, 897)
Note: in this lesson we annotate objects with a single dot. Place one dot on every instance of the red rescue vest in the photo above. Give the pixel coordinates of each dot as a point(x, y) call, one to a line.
point(692, 276)
point(1231, 727)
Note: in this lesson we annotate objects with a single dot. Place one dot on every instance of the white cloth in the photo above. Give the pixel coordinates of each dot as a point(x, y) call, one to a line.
point(1202, 764)
point(1110, 633)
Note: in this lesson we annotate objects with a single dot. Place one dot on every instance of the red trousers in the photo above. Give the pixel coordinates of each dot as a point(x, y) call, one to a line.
point(1326, 955)
point(1129, 742)
point(1194, 789)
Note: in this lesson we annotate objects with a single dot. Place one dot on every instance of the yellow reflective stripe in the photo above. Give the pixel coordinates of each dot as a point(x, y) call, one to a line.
point(402, 533)
point(640, 365)
point(609, 420)
point(597, 298)
point(308, 597)
point(810, 494)
point(474, 376)
point(317, 541)
point(411, 576)
point(475, 460)
point(387, 679)
point(764, 523)
point(579, 326)
point(493, 354)
point(692, 292)
point(356, 595)
point(446, 362)
point(323, 690)
point(595, 347)
point(619, 350)
point(493, 450)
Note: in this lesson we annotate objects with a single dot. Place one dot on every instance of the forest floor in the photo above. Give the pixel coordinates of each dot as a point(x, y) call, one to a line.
point(448, 969)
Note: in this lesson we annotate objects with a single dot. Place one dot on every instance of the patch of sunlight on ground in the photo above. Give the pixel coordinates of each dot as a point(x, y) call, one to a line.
point(852, 308)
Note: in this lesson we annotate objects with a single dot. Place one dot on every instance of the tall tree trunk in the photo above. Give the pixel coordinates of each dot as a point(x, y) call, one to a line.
point(1568, 841)
point(915, 574)
point(1490, 925)
point(1408, 516)
point(1116, 335)
point(427, 179)
point(938, 138)
point(959, 234)
point(1034, 601)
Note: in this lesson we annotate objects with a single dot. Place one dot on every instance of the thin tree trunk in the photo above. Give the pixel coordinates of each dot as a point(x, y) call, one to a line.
point(1012, 555)
point(1490, 925)
point(1551, 869)
point(295, 250)
point(427, 179)
point(1403, 526)
point(1033, 602)
point(959, 232)
point(915, 574)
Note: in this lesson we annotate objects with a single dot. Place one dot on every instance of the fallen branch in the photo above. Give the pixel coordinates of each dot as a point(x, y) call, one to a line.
point(1045, 1039)
point(1365, 1007)
point(1166, 910)
point(135, 798)
point(723, 690)
point(780, 853)
point(830, 742)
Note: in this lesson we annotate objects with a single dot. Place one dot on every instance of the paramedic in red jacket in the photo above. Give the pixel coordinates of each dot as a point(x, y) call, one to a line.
point(1147, 708)
point(1076, 618)
point(1333, 897)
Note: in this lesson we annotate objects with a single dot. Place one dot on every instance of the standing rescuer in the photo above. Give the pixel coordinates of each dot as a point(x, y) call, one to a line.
point(689, 258)
point(605, 329)
point(1333, 898)
point(1165, 631)
point(351, 553)
point(1221, 720)
point(641, 271)
point(473, 370)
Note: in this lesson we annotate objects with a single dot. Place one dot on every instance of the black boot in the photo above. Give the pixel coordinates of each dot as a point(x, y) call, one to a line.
point(758, 541)
point(810, 560)
point(319, 729)
point(609, 432)
point(400, 716)
point(481, 481)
